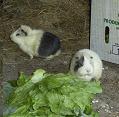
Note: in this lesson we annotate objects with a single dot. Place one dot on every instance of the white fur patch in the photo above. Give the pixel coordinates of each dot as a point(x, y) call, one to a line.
point(30, 43)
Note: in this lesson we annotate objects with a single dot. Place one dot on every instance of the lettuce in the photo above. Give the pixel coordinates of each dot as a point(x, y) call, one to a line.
point(51, 95)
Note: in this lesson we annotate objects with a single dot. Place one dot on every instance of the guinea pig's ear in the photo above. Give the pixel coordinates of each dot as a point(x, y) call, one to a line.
point(79, 63)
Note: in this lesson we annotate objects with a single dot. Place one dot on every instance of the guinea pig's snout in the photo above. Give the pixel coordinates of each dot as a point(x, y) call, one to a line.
point(11, 36)
point(88, 71)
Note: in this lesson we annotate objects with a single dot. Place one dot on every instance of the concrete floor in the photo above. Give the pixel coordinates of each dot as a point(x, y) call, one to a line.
point(107, 103)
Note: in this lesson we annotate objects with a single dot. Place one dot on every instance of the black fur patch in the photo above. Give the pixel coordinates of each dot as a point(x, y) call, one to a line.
point(79, 63)
point(22, 33)
point(25, 33)
point(49, 45)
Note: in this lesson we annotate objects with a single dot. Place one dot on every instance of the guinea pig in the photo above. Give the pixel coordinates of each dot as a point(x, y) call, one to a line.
point(36, 42)
point(86, 65)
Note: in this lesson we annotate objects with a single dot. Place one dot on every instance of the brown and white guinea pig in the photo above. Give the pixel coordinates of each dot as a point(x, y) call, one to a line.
point(86, 65)
point(36, 42)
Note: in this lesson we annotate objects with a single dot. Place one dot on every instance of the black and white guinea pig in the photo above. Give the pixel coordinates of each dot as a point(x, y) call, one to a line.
point(36, 42)
point(87, 65)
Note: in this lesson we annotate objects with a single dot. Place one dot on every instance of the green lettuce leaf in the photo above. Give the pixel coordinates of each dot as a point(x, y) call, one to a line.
point(51, 95)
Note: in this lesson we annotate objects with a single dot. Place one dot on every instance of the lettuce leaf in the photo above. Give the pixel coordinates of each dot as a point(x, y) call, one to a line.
point(51, 95)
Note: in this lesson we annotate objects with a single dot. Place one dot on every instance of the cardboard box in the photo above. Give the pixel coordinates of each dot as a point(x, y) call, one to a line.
point(104, 36)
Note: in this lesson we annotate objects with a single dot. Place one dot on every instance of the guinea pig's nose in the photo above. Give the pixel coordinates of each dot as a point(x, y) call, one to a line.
point(11, 36)
point(88, 71)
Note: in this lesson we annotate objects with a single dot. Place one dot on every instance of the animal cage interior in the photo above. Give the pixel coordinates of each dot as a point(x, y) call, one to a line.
point(67, 21)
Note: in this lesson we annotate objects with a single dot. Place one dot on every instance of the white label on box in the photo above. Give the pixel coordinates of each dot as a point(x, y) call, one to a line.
point(115, 49)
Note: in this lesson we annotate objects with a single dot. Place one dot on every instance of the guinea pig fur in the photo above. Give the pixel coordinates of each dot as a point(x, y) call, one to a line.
point(36, 42)
point(86, 65)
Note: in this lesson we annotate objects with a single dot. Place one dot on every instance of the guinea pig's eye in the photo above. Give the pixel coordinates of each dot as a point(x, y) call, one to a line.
point(22, 30)
point(17, 34)
point(77, 57)
point(91, 57)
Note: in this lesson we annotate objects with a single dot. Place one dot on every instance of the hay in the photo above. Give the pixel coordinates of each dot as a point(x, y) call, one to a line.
point(69, 19)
